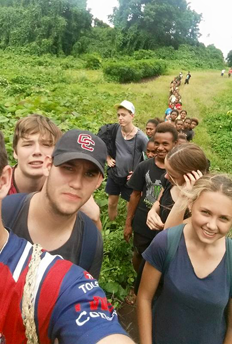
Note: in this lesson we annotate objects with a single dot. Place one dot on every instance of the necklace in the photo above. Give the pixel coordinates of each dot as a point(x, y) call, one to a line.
point(125, 135)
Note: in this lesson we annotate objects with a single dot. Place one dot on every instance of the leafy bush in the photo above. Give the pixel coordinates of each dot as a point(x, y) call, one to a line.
point(117, 273)
point(92, 61)
point(133, 70)
point(144, 54)
point(3, 82)
point(220, 130)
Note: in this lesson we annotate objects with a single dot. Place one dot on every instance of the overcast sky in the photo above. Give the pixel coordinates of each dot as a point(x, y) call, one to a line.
point(216, 26)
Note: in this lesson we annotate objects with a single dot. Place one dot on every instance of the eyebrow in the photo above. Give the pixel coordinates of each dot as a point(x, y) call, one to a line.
point(91, 169)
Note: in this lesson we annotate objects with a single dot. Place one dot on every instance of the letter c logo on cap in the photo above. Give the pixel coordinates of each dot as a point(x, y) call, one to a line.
point(86, 141)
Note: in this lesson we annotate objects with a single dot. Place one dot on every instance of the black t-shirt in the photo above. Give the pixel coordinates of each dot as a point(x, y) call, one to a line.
point(147, 179)
point(72, 248)
point(166, 201)
point(188, 133)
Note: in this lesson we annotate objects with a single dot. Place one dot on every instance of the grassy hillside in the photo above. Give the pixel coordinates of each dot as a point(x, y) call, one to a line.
point(75, 97)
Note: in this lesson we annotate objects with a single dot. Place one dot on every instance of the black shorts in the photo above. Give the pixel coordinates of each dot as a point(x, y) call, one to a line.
point(141, 242)
point(115, 189)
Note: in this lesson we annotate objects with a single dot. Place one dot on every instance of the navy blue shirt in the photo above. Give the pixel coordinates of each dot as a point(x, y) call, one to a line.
point(190, 310)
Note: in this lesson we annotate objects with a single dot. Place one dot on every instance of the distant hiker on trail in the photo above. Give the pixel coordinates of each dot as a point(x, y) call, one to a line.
point(222, 72)
point(150, 127)
point(187, 128)
point(125, 145)
point(188, 76)
point(194, 124)
point(183, 115)
point(173, 116)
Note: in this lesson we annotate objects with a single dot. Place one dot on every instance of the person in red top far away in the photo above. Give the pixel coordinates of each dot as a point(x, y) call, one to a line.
point(67, 305)
point(34, 138)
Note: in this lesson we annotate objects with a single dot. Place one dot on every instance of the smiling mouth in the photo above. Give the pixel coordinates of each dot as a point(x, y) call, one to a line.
point(209, 234)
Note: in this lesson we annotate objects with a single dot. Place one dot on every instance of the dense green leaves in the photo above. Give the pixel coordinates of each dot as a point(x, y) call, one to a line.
point(43, 26)
point(166, 22)
point(133, 70)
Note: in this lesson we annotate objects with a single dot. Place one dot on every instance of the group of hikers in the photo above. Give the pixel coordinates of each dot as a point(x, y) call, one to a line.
point(229, 72)
point(178, 214)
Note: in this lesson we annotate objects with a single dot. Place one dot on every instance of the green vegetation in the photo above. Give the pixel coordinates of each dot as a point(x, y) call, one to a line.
point(55, 63)
point(73, 96)
point(133, 71)
point(146, 24)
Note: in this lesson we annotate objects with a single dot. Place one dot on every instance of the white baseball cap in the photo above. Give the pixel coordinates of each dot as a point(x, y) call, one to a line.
point(127, 105)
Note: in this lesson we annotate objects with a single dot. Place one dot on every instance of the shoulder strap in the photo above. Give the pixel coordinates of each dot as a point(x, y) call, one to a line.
point(11, 206)
point(173, 237)
point(89, 243)
point(229, 261)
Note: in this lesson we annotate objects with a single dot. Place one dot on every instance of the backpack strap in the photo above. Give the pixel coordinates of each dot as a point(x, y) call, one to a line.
point(11, 206)
point(173, 238)
point(229, 261)
point(89, 243)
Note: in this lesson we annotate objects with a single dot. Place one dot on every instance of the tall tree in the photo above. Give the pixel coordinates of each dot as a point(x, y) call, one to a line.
point(51, 26)
point(229, 58)
point(157, 22)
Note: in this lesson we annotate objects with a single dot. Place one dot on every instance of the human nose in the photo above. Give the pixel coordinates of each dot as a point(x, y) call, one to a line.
point(212, 223)
point(37, 150)
point(76, 181)
point(160, 147)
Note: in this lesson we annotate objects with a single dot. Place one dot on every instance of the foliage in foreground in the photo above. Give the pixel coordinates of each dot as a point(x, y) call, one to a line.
point(117, 273)
point(220, 130)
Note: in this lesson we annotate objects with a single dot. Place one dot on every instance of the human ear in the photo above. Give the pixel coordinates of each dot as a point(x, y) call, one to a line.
point(5, 181)
point(15, 155)
point(47, 165)
point(100, 179)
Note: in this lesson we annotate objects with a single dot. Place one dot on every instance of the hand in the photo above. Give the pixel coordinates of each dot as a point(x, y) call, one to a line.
point(110, 161)
point(190, 179)
point(127, 232)
point(129, 175)
point(154, 221)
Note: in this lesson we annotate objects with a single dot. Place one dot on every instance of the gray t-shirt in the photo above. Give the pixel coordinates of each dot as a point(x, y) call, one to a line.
point(129, 152)
point(72, 248)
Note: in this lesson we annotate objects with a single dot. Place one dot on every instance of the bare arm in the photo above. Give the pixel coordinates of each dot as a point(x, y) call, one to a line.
point(148, 285)
point(153, 218)
point(132, 206)
point(116, 339)
point(176, 215)
point(228, 337)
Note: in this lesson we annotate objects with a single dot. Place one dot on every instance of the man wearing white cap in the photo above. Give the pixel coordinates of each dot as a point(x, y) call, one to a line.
point(125, 144)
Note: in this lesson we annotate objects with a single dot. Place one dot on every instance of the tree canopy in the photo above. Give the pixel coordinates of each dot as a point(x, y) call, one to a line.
point(150, 23)
point(47, 25)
